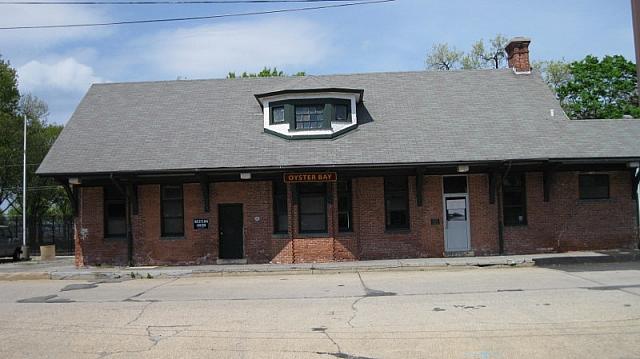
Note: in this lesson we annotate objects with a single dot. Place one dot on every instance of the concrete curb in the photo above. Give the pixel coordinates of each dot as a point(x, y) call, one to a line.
point(24, 276)
point(417, 265)
point(134, 273)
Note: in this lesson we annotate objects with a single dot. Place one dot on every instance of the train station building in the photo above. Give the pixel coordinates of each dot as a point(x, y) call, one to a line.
point(343, 168)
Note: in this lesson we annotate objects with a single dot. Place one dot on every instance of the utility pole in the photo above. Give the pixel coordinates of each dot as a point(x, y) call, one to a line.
point(635, 16)
point(25, 248)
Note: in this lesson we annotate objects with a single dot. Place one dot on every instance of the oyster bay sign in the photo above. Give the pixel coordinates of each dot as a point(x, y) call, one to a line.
point(310, 177)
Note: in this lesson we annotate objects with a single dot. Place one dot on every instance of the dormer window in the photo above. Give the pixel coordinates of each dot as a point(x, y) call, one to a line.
point(311, 114)
point(277, 114)
point(319, 113)
point(309, 117)
point(342, 113)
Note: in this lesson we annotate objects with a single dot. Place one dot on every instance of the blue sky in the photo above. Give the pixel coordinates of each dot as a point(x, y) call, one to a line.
point(59, 65)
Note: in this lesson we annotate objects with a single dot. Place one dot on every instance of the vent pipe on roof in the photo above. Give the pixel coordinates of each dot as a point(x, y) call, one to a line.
point(518, 55)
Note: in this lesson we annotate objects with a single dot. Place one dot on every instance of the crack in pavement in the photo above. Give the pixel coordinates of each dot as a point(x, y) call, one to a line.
point(368, 292)
point(344, 355)
point(426, 294)
point(131, 298)
point(144, 308)
point(339, 353)
point(154, 339)
point(373, 292)
point(52, 298)
point(354, 311)
point(332, 341)
point(149, 301)
point(79, 286)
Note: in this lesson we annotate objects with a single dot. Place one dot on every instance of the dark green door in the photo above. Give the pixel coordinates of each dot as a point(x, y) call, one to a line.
point(231, 231)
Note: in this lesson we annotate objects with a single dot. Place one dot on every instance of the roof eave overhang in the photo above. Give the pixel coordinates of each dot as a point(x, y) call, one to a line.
point(425, 165)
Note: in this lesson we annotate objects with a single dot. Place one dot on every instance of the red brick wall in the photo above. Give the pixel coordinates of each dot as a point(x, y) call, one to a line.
point(91, 246)
point(282, 250)
point(564, 223)
point(257, 210)
point(345, 245)
point(433, 210)
point(596, 224)
point(568, 223)
point(375, 242)
point(151, 248)
point(483, 216)
point(539, 233)
point(299, 247)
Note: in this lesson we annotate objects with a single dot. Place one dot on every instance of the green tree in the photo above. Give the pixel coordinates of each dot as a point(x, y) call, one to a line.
point(44, 196)
point(481, 56)
point(10, 140)
point(554, 72)
point(265, 72)
point(475, 58)
point(600, 88)
point(444, 58)
point(9, 94)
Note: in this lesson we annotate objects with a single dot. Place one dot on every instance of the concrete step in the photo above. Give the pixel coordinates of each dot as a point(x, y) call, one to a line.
point(459, 254)
point(231, 261)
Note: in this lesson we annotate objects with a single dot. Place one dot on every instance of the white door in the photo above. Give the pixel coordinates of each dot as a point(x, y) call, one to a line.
point(456, 224)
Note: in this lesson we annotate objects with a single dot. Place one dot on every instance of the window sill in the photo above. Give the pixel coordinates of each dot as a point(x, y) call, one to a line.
point(309, 129)
point(118, 238)
point(522, 225)
point(312, 235)
point(172, 238)
point(397, 231)
point(594, 200)
point(280, 236)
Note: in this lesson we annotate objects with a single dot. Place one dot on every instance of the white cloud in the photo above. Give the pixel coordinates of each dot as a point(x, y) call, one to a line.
point(19, 41)
point(214, 50)
point(66, 75)
point(61, 84)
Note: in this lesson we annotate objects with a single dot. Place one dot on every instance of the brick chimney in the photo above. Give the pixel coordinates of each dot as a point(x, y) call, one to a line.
point(518, 54)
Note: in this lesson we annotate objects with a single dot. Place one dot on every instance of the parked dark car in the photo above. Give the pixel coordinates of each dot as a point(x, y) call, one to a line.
point(9, 245)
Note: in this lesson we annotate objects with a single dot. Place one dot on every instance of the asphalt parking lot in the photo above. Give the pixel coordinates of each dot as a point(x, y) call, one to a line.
point(572, 311)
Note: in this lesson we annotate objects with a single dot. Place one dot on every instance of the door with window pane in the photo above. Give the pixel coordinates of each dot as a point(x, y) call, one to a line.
point(456, 214)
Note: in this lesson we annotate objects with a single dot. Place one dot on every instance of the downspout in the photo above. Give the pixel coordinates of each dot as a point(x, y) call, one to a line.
point(637, 189)
point(499, 207)
point(292, 190)
point(128, 221)
point(635, 20)
point(499, 182)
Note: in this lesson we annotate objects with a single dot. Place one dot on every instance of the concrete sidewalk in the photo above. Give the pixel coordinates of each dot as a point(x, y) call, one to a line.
point(63, 268)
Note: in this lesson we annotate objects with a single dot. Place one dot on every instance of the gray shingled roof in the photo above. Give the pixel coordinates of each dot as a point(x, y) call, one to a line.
point(406, 117)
